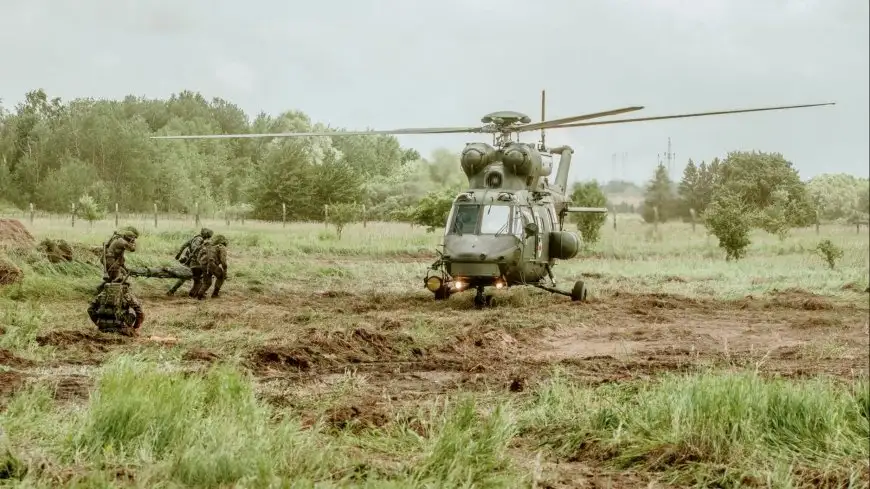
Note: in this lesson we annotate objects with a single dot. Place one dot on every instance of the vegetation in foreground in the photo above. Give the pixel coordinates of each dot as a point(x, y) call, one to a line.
point(94, 412)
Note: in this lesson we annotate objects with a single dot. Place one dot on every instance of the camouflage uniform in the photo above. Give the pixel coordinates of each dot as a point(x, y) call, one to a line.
point(116, 310)
point(212, 259)
point(121, 241)
point(187, 255)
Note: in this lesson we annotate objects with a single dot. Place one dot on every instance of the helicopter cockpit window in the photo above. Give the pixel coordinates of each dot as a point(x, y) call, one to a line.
point(465, 219)
point(496, 219)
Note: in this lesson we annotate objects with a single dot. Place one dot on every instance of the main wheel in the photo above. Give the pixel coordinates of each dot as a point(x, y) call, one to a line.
point(442, 294)
point(578, 293)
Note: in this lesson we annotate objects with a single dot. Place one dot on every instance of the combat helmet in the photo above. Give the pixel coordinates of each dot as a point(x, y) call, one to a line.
point(219, 239)
point(206, 233)
point(128, 232)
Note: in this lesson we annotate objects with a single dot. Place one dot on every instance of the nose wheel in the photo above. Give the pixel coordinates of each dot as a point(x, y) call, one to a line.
point(482, 300)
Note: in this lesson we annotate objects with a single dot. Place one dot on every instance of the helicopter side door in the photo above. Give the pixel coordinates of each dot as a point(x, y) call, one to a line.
point(529, 242)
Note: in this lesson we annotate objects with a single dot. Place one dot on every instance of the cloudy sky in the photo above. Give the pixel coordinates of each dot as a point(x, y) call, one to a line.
point(406, 63)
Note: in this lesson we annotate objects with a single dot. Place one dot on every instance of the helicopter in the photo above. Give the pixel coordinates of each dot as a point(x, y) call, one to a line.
point(507, 227)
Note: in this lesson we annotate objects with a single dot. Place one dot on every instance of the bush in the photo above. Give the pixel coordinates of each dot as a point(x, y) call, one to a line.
point(433, 209)
point(829, 252)
point(589, 194)
point(730, 219)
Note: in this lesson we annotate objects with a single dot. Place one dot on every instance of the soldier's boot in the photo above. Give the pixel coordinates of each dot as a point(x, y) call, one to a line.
point(218, 283)
point(206, 284)
point(175, 287)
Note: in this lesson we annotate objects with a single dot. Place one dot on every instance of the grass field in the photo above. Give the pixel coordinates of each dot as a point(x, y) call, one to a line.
point(325, 363)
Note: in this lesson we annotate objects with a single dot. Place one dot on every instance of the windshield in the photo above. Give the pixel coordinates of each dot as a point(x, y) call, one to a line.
point(496, 219)
point(465, 219)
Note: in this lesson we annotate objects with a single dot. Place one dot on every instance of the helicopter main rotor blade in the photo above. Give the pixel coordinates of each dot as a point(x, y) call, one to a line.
point(699, 114)
point(424, 130)
point(559, 122)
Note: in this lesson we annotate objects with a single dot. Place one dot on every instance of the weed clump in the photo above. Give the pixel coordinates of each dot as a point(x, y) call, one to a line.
point(829, 252)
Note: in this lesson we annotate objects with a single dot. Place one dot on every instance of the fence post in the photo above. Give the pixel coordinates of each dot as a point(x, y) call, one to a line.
point(283, 215)
point(72, 212)
point(614, 220)
point(692, 214)
point(31, 213)
point(155, 214)
point(196, 206)
point(116, 214)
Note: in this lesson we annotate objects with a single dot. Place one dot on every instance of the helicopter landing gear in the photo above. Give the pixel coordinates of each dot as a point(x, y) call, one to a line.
point(442, 294)
point(482, 300)
point(578, 293)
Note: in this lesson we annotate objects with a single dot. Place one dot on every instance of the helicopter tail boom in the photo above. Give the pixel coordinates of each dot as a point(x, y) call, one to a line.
point(565, 153)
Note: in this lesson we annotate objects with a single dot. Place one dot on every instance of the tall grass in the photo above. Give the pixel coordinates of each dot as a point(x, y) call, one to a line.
point(210, 430)
point(712, 429)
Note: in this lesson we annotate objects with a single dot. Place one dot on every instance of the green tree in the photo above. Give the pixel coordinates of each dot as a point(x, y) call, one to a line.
point(838, 195)
point(342, 214)
point(755, 177)
point(730, 219)
point(691, 190)
point(659, 196)
point(589, 194)
point(433, 209)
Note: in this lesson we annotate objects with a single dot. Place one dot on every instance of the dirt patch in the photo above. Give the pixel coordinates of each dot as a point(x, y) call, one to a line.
point(13, 235)
point(200, 355)
point(364, 415)
point(72, 388)
point(647, 302)
point(93, 341)
point(9, 359)
point(9, 272)
point(318, 347)
point(812, 322)
point(800, 299)
point(9, 383)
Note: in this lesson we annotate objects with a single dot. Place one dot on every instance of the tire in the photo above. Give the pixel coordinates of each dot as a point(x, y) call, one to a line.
point(579, 292)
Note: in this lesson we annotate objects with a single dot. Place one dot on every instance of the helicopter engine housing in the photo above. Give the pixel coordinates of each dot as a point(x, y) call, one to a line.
point(475, 157)
point(524, 161)
point(564, 245)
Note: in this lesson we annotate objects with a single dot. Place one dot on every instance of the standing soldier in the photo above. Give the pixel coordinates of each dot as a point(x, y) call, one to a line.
point(212, 258)
point(121, 241)
point(187, 256)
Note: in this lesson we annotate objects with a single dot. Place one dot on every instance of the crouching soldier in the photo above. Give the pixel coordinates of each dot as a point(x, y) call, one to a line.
point(116, 310)
point(187, 256)
point(212, 261)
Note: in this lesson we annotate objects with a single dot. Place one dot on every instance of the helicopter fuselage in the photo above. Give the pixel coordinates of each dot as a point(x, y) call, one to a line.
point(498, 237)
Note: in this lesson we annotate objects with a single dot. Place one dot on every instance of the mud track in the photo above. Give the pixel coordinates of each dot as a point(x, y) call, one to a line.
point(408, 347)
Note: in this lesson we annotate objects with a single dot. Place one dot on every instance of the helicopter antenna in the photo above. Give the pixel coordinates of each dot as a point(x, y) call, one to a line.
point(543, 116)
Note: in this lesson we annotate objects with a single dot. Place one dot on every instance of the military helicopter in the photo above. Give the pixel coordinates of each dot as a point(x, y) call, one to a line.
point(507, 228)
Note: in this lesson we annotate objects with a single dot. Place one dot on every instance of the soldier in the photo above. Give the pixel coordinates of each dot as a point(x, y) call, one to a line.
point(212, 260)
point(187, 254)
point(121, 241)
point(116, 310)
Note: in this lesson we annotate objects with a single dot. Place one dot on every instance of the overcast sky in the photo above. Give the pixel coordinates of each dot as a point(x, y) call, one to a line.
point(407, 63)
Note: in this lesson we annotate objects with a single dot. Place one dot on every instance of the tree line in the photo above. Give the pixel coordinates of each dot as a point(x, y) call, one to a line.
point(54, 153)
point(97, 153)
